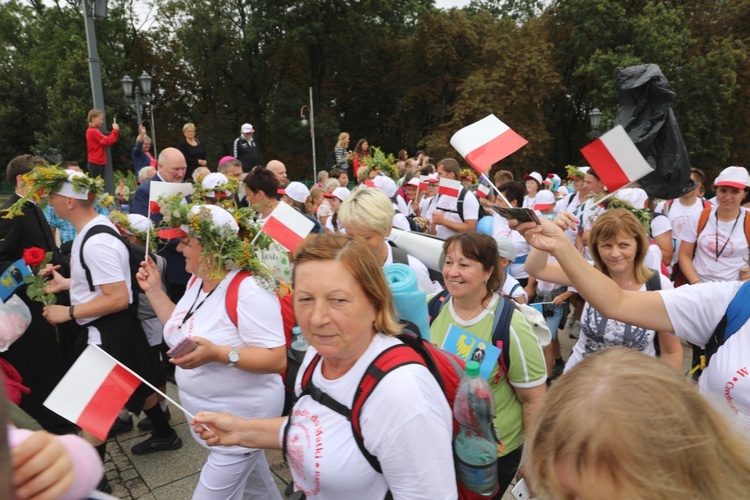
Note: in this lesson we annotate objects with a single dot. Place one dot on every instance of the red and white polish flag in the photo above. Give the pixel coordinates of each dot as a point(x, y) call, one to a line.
point(423, 183)
point(449, 187)
point(93, 392)
point(486, 142)
point(616, 159)
point(287, 226)
point(482, 191)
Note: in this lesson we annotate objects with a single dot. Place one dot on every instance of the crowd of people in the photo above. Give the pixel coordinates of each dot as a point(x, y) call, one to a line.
point(629, 277)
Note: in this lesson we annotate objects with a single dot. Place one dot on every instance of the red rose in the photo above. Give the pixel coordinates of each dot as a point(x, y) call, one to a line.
point(154, 207)
point(34, 256)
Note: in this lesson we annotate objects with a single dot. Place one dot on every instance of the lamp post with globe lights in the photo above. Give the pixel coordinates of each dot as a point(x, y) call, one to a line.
point(137, 97)
point(305, 122)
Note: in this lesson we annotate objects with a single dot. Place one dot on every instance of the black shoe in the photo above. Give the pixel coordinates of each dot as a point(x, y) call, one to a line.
point(104, 486)
point(146, 425)
point(120, 426)
point(557, 370)
point(155, 443)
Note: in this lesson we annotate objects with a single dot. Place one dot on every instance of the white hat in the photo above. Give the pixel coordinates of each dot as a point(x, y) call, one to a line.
point(534, 175)
point(433, 179)
point(386, 185)
point(505, 248)
point(247, 128)
point(298, 192)
point(219, 217)
point(552, 178)
point(562, 191)
point(341, 193)
point(138, 223)
point(736, 177)
point(637, 197)
point(215, 182)
point(585, 170)
point(414, 181)
point(67, 189)
point(544, 199)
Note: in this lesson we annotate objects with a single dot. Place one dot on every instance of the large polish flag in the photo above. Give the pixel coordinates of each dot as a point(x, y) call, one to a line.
point(486, 142)
point(93, 392)
point(449, 187)
point(616, 159)
point(287, 226)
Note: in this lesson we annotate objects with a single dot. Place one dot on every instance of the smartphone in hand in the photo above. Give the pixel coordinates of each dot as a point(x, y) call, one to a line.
point(184, 346)
point(520, 491)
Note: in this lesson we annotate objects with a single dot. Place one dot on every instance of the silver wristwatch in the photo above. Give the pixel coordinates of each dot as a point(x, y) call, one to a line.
point(234, 356)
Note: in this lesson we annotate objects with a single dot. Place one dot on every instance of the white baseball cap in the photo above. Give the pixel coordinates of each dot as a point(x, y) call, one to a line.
point(214, 182)
point(534, 175)
point(67, 189)
point(637, 197)
point(562, 192)
point(505, 248)
point(139, 223)
point(386, 185)
point(247, 128)
point(297, 191)
point(219, 217)
point(341, 193)
point(736, 177)
point(544, 199)
point(414, 181)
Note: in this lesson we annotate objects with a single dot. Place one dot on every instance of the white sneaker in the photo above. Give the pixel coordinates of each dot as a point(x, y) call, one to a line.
point(575, 330)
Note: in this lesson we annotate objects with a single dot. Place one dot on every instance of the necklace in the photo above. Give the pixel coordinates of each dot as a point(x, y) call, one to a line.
point(481, 305)
point(716, 235)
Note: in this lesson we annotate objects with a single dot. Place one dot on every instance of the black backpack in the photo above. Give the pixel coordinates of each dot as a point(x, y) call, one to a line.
point(460, 206)
point(331, 160)
point(136, 255)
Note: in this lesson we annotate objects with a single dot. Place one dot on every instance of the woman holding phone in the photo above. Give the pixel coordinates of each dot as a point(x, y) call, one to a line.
point(225, 364)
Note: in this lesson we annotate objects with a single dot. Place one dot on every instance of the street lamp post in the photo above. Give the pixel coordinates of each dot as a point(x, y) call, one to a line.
point(595, 116)
point(136, 98)
point(304, 122)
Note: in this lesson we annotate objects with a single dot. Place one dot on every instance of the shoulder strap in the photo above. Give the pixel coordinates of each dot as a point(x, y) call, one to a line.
point(460, 203)
point(570, 199)
point(706, 203)
point(97, 229)
point(703, 220)
point(233, 294)
point(399, 255)
point(436, 303)
point(501, 333)
point(654, 282)
point(747, 228)
point(512, 290)
point(668, 206)
point(738, 312)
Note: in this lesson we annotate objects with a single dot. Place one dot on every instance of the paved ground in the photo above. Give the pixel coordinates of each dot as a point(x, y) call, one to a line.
point(172, 475)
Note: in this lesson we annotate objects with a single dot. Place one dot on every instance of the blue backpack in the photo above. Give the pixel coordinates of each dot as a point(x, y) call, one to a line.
point(738, 312)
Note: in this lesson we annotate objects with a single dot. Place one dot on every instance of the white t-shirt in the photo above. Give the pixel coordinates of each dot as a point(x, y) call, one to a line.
point(529, 202)
point(401, 205)
point(401, 222)
point(653, 257)
point(500, 227)
point(694, 312)
point(516, 268)
point(406, 423)
point(564, 206)
point(731, 254)
point(512, 288)
point(423, 275)
point(108, 261)
point(598, 332)
point(679, 215)
point(427, 206)
point(217, 386)
point(449, 206)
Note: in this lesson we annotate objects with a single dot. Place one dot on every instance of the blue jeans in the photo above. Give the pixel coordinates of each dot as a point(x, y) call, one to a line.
point(553, 322)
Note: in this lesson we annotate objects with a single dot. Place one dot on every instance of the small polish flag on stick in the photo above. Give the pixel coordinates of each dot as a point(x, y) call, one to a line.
point(482, 191)
point(94, 391)
point(287, 226)
point(616, 160)
point(423, 183)
point(449, 187)
point(486, 142)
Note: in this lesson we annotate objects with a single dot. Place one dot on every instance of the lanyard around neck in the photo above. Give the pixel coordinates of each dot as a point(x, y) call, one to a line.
point(193, 307)
point(716, 235)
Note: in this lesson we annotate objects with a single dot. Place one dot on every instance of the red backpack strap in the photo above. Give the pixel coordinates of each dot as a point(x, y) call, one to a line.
point(233, 294)
point(702, 221)
point(192, 281)
point(747, 229)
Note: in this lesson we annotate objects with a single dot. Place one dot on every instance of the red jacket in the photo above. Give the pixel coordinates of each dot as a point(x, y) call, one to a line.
point(96, 142)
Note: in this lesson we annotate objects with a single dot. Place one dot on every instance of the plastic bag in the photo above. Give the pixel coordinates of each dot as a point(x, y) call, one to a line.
point(15, 318)
point(646, 113)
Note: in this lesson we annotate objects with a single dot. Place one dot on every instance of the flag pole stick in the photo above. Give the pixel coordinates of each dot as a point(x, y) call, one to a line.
point(610, 195)
point(484, 176)
point(148, 231)
point(141, 379)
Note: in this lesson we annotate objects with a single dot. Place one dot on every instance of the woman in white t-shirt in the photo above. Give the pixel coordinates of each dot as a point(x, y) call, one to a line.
point(346, 313)
point(719, 250)
point(619, 245)
point(228, 364)
point(533, 186)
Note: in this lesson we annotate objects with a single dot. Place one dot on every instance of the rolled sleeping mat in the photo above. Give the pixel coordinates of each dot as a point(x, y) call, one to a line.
point(410, 301)
point(424, 247)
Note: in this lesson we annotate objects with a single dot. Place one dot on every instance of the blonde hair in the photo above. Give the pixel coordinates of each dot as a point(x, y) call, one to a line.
point(187, 126)
point(342, 136)
point(94, 113)
point(613, 223)
point(367, 210)
point(361, 262)
point(628, 419)
point(363, 174)
point(146, 173)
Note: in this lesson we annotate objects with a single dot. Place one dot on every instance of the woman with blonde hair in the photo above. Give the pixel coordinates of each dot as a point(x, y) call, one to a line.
point(618, 245)
point(192, 149)
point(622, 426)
point(345, 310)
point(343, 155)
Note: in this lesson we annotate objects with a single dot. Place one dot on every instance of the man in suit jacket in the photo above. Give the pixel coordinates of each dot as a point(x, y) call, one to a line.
point(170, 167)
point(37, 355)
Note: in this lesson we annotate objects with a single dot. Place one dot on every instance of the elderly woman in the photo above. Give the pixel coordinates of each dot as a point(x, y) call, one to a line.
point(622, 426)
point(691, 312)
point(369, 213)
point(619, 244)
point(472, 277)
point(232, 366)
point(141, 152)
point(195, 153)
point(406, 422)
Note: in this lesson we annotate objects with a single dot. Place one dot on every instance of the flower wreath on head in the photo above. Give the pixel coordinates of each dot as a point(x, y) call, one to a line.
point(45, 180)
point(385, 164)
point(223, 194)
point(574, 172)
point(121, 221)
point(470, 175)
point(644, 216)
point(223, 247)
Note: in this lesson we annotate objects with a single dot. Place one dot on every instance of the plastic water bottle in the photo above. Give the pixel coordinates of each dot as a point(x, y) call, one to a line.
point(475, 445)
point(299, 344)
